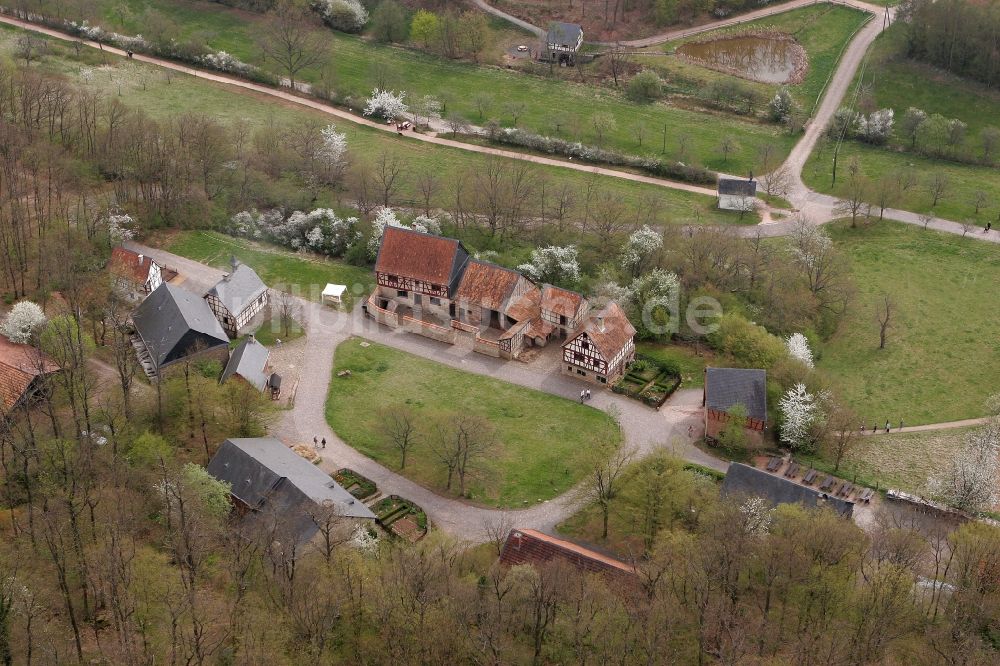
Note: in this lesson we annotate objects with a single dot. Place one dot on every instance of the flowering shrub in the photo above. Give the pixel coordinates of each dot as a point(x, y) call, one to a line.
point(225, 62)
point(121, 227)
point(320, 230)
point(554, 264)
point(650, 164)
point(344, 15)
point(798, 348)
point(875, 128)
point(385, 104)
point(22, 322)
point(640, 245)
point(799, 411)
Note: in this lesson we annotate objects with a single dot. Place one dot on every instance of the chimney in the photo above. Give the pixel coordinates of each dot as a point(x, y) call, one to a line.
point(252, 338)
point(599, 320)
point(140, 259)
point(234, 262)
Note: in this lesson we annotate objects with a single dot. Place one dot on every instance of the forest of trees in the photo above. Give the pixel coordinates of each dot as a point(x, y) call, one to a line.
point(960, 36)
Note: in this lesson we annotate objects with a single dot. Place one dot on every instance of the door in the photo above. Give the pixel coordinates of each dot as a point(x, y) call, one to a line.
point(417, 300)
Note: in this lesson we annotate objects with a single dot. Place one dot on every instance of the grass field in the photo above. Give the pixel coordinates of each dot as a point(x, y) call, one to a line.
point(303, 275)
point(692, 366)
point(823, 30)
point(943, 356)
point(147, 88)
point(540, 435)
point(551, 105)
point(896, 82)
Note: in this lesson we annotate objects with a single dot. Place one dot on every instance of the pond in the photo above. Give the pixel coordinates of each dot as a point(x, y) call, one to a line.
point(763, 59)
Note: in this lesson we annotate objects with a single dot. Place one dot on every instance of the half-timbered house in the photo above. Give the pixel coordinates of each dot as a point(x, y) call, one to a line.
point(602, 350)
point(418, 274)
point(23, 370)
point(237, 298)
point(564, 310)
point(134, 275)
point(563, 42)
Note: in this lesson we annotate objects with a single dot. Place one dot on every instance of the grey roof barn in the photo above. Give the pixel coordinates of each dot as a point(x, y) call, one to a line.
point(238, 289)
point(726, 387)
point(743, 480)
point(564, 34)
point(739, 187)
point(248, 361)
point(173, 323)
point(266, 475)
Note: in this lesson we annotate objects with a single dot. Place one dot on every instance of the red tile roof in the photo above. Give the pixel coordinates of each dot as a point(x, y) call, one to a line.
point(526, 307)
point(487, 284)
point(533, 547)
point(617, 330)
point(561, 301)
point(19, 365)
point(127, 264)
point(412, 254)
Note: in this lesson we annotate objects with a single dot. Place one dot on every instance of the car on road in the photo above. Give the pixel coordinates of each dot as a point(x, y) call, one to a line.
point(522, 48)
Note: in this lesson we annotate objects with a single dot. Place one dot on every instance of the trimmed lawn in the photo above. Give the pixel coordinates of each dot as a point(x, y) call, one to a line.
point(822, 30)
point(304, 275)
point(146, 87)
point(942, 359)
point(551, 105)
point(896, 82)
point(539, 434)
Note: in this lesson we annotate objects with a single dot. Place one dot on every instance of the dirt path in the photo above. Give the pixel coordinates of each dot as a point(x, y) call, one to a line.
point(929, 427)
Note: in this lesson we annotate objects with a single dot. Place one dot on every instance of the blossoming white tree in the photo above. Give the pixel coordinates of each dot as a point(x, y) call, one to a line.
point(798, 348)
point(121, 227)
point(799, 412)
point(427, 225)
point(639, 247)
point(876, 127)
point(23, 321)
point(757, 515)
point(971, 480)
point(346, 15)
point(655, 301)
point(386, 104)
point(553, 264)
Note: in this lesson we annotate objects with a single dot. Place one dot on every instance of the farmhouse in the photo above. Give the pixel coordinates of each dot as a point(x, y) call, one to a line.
point(746, 481)
point(173, 324)
point(133, 274)
point(237, 298)
point(562, 42)
point(536, 548)
point(737, 194)
point(248, 363)
point(268, 480)
point(727, 387)
point(603, 349)
point(430, 286)
point(23, 370)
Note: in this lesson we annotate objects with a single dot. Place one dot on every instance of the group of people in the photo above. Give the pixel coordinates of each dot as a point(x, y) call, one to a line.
point(584, 395)
point(317, 444)
point(874, 430)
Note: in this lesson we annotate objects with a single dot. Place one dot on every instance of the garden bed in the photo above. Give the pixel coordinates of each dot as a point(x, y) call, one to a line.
point(401, 518)
point(359, 486)
point(649, 381)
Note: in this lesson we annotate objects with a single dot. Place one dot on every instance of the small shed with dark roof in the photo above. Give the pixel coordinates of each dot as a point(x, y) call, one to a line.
point(737, 193)
point(267, 477)
point(727, 387)
point(248, 362)
point(171, 324)
point(746, 481)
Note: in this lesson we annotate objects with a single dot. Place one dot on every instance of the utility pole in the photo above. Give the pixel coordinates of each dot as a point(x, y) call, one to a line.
point(664, 149)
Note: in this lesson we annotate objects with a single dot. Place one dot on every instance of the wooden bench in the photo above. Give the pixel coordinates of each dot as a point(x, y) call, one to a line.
point(866, 495)
point(827, 484)
point(845, 490)
point(809, 477)
point(774, 463)
point(792, 470)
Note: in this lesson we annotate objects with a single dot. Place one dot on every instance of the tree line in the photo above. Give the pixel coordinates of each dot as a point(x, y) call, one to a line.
point(957, 35)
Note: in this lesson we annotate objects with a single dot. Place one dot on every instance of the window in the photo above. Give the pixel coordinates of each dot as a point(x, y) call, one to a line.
point(562, 320)
point(581, 372)
point(401, 293)
point(579, 357)
point(570, 368)
point(603, 380)
point(435, 301)
point(585, 344)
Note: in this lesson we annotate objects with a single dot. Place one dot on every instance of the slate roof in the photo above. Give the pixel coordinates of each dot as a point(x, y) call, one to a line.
point(738, 187)
point(725, 387)
point(239, 289)
point(618, 330)
point(248, 361)
point(487, 284)
point(168, 314)
point(533, 547)
point(561, 301)
point(128, 264)
point(747, 481)
point(19, 366)
point(564, 34)
point(267, 475)
point(421, 256)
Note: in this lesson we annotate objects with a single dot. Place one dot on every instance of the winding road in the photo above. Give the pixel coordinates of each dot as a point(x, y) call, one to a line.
point(815, 207)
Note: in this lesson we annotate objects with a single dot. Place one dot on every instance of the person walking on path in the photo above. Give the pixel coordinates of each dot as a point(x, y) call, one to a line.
point(874, 427)
point(583, 396)
point(862, 427)
point(324, 442)
point(989, 225)
point(315, 442)
point(900, 424)
point(887, 426)
point(588, 395)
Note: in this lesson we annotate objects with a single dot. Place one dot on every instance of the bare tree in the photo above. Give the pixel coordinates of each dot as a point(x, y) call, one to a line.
point(617, 61)
point(979, 200)
point(290, 42)
point(926, 219)
point(883, 312)
point(429, 185)
point(398, 425)
point(388, 167)
point(727, 147)
point(483, 103)
point(967, 226)
point(461, 442)
point(496, 527)
point(840, 432)
point(515, 110)
point(285, 308)
point(457, 123)
point(607, 462)
point(777, 181)
point(938, 185)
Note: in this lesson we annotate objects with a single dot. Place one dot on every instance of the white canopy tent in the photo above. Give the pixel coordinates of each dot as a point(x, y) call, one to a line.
point(333, 293)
